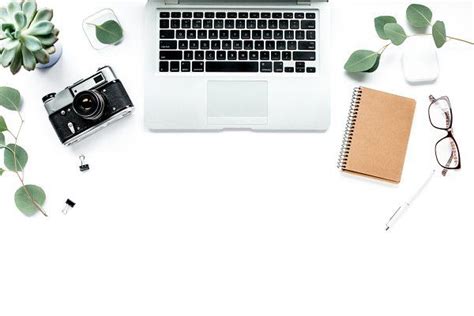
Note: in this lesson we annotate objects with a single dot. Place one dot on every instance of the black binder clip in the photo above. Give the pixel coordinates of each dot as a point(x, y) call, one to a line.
point(69, 205)
point(83, 167)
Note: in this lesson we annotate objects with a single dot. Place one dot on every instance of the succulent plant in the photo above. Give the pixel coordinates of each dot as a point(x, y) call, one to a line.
point(27, 36)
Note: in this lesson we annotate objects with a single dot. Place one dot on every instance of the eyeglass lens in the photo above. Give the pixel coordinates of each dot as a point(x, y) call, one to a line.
point(440, 114)
point(447, 153)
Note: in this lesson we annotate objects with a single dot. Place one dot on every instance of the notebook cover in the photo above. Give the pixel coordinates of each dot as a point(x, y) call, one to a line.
point(380, 136)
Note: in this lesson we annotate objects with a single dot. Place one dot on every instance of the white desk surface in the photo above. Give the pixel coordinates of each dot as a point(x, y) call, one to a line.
point(238, 223)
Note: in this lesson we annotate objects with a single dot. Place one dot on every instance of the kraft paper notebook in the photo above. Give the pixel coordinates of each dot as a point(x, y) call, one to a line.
point(377, 133)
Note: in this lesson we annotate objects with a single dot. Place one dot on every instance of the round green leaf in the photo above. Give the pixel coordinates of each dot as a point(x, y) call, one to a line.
point(2, 140)
point(28, 198)
point(2, 171)
point(439, 33)
point(10, 98)
point(3, 125)
point(419, 15)
point(380, 22)
point(9, 155)
point(110, 32)
point(395, 33)
point(361, 60)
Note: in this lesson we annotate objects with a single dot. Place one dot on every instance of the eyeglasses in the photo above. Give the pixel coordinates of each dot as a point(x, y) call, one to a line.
point(446, 149)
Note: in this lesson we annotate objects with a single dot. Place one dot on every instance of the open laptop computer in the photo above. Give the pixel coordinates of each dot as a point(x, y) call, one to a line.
point(253, 64)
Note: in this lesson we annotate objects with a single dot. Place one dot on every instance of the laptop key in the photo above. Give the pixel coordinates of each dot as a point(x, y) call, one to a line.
point(253, 55)
point(215, 45)
point(238, 45)
point(311, 69)
point(273, 24)
point(266, 66)
point(238, 66)
point(278, 35)
point(232, 15)
point(183, 44)
point(281, 45)
point(176, 15)
point(197, 24)
point(278, 66)
point(267, 34)
point(248, 45)
point(243, 55)
point(198, 66)
point(300, 35)
point(175, 24)
point(311, 56)
point(219, 24)
point(164, 15)
point(198, 15)
point(193, 44)
point(243, 15)
point(292, 45)
point(265, 15)
point(300, 67)
point(311, 15)
point(245, 34)
point(288, 15)
point(164, 66)
point(210, 55)
point(299, 15)
point(191, 34)
point(188, 55)
point(174, 66)
point(205, 45)
point(235, 34)
point(229, 24)
point(226, 44)
point(251, 24)
point(199, 55)
point(187, 15)
point(171, 55)
point(259, 45)
point(240, 24)
point(164, 24)
point(220, 15)
point(289, 69)
point(256, 34)
point(264, 56)
point(262, 24)
point(224, 34)
point(307, 45)
point(286, 56)
point(213, 34)
point(308, 24)
point(277, 15)
point(284, 24)
point(289, 35)
point(311, 35)
point(231, 55)
point(209, 15)
point(168, 45)
point(207, 24)
point(202, 34)
point(254, 15)
point(276, 55)
point(294, 24)
point(167, 34)
point(221, 55)
point(186, 24)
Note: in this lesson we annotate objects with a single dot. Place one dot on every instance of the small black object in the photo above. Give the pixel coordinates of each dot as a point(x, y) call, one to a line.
point(69, 205)
point(83, 167)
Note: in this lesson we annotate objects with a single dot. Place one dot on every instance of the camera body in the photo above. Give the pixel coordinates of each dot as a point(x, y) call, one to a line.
point(87, 106)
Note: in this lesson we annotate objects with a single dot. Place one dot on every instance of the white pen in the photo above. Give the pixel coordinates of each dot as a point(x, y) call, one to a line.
point(404, 207)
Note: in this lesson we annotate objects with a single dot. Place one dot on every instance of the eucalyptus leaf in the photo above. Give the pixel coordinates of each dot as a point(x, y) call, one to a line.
point(2, 171)
point(110, 32)
point(361, 60)
point(439, 33)
point(3, 125)
point(375, 66)
point(11, 152)
point(380, 22)
point(10, 98)
point(419, 15)
point(395, 33)
point(28, 198)
point(2, 139)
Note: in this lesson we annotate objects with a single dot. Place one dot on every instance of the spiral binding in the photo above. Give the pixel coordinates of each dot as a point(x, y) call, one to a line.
point(350, 125)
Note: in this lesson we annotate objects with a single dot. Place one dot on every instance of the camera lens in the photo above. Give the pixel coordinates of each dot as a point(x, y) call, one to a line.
point(89, 105)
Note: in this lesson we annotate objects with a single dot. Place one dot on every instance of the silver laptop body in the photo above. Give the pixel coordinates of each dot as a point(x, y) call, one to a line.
point(258, 65)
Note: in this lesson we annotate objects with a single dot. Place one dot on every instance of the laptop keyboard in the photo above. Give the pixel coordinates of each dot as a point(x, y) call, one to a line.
point(237, 41)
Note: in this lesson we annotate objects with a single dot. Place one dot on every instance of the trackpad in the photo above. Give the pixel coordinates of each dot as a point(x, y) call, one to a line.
point(237, 102)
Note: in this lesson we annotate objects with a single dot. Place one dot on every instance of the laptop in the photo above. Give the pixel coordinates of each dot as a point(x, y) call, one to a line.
point(259, 65)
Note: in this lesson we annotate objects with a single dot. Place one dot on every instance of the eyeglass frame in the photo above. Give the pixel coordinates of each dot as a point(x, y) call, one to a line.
point(448, 129)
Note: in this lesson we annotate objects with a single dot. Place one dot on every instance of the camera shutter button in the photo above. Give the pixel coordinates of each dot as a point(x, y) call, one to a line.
point(71, 128)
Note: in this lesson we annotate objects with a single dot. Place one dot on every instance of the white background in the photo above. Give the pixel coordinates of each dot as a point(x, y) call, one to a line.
point(238, 223)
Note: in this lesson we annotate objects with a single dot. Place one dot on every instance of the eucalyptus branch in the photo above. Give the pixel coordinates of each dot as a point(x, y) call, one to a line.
point(29, 199)
point(418, 16)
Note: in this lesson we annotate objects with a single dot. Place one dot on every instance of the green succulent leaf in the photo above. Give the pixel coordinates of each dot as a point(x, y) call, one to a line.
point(29, 60)
point(2, 171)
point(110, 32)
point(3, 126)
point(380, 22)
point(7, 56)
point(11, 152)
point(8, 27)
point(41, 28)
point(2, 139)
point(47, 40)
point(13, 7)
point(361, 60)
point(10, 98)
point(15, 66)
point(439, 33)
point(29, 8)
point(419, 15)
point(4, 15)
point(20, 20)
point(29, 198)
point(43, 15)
point(42, 56)
point(32, 43)
point(395, 33)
